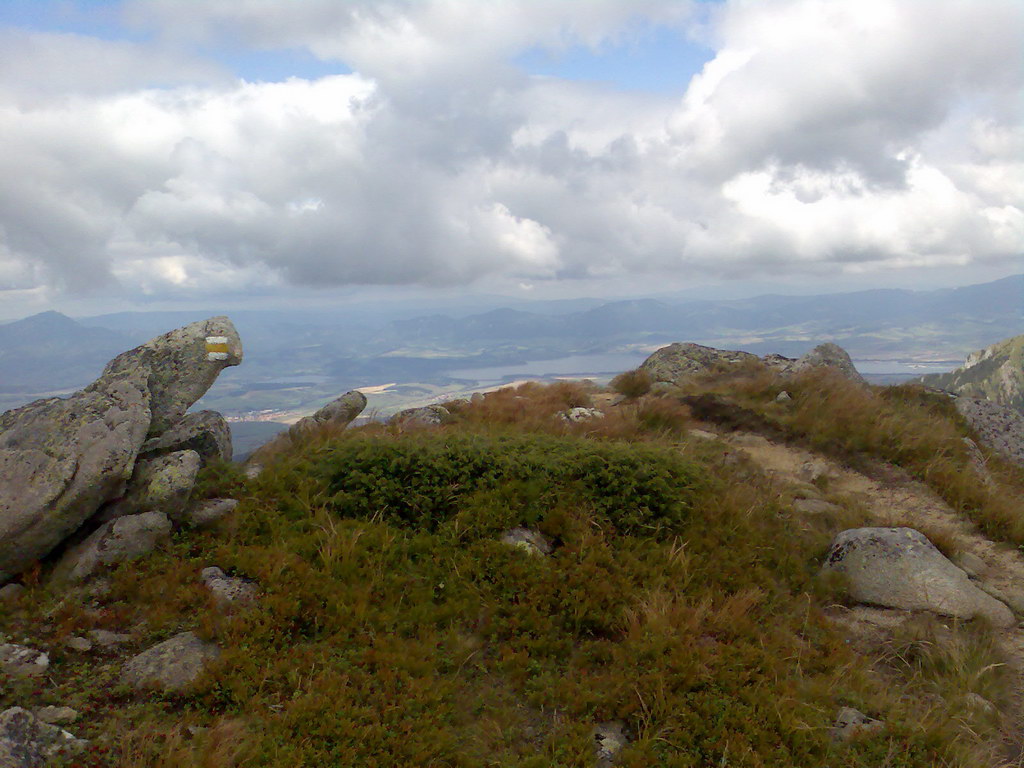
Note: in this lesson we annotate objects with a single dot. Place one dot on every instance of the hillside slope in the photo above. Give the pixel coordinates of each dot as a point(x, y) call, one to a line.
point(638, 588)
point(994, 373)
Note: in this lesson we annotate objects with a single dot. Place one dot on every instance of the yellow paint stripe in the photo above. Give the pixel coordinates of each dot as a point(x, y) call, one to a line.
point(217, 347)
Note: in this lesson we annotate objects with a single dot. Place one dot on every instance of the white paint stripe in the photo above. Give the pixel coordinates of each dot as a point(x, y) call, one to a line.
point(216, 355)
point(216, 339)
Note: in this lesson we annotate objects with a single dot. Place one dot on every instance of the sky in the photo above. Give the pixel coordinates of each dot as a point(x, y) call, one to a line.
point(164, 153)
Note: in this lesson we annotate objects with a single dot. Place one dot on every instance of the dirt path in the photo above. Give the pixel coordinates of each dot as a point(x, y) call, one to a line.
point(891, 497)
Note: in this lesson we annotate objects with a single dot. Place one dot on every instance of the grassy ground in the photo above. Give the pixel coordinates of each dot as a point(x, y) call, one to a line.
point(395, 629)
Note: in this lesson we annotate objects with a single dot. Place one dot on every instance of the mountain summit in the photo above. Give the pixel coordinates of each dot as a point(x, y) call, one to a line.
point(994, 373)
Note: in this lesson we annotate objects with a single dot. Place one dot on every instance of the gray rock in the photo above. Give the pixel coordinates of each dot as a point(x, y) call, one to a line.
point(778, 363)
point(227, 590)
point(22, 661)
point(171, 665)
point(11, 592)
point(971, 564)
point(339, 412)
point(160, 484)
point(28, 742)
point(979, 703)
point(851, 724)
point(116, 541)
point(80, 644)
point(427, 416)
point(531, 542)
point(182, 365)
point(609, 740)
point(56, 715)
point(900, 568)
point(579, 414)
point(205, 432)
point(60, 459)
point(814, 470)
point(815, 507)
point(210, 511)
point(107, 639)
point(671, 363)
point(998, 427)
point(830, 356)
point(783, 397)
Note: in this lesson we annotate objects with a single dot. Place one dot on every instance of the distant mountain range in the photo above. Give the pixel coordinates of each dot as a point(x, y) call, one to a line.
point(296, 358)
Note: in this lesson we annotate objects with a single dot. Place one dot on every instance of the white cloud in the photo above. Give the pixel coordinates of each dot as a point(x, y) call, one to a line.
point(841, 135)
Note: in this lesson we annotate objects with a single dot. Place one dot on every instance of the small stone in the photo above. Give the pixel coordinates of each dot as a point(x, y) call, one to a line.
point(28, 742)
point(783, 397)
point(22, 661)
point(106, 639)
point(579, 415)
point(228, 589)
point(79, 644)
point(252, 471)
point(813, 471)
point(609, 740)
point(531, 542)
point(57, 715)
point(210, 511)
point(815, 507)
point(700, 434)
point(11, 592)
point(979, 703)
point(852, 724)
point(171, 665)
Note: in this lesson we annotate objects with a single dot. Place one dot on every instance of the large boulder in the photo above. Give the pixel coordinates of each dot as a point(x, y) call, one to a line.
point(163, 484)
point(427, 416)
point(205, 432)
point(832, 356)
point(182, 365)
point(999, 427)
point(671, 363)
point(116, 541)
point(26, 741)
point(171, 665)
point(60, 459)
point(339, 412)
point(901, 568)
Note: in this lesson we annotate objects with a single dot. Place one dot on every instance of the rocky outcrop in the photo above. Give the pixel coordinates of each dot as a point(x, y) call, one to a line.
point(427, 416)
point(205, 432)
point(182, 365)
point(26, 741)
point(995, 373)
point(998, 427)
point(579, 414)
point(116, 541)
point(671, 363)
point(160, 484)
point(830, 356)
point(901, 568)
point(170, 666)
point(676, 361)
point(61, 460)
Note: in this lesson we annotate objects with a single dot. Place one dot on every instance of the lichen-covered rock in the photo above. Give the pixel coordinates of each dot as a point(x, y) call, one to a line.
point(427, 416)
point(205, 432)
point(609, 739)
point(999, 427)
point(580, 414)
point(60, 459)
point(831, 356)
point(182, 366)
point(339, 412)
point(107, 639)
point(851, 724)
point(671, 363)
point(28, 742)
point(228, 590)
point(531, 542)
point(56, 715)
point(116, 541)
point(22, 661)
point(210, 511)
point(171, 665)
point(900, 568)
point(161, 484)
